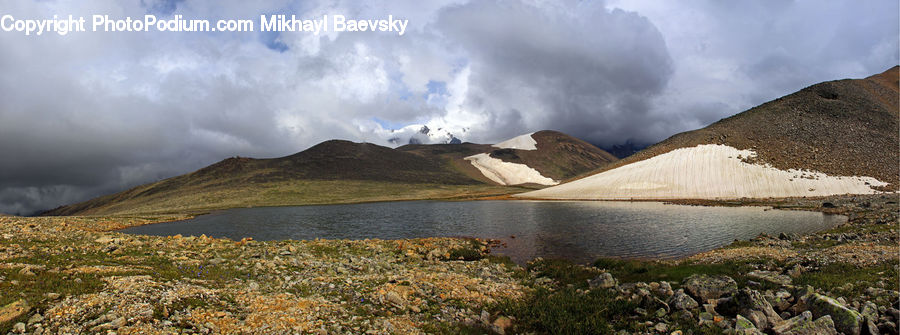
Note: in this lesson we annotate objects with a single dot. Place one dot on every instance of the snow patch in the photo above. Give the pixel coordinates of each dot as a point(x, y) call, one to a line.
point(709, 171)
point(505, 173)
point(523, 142)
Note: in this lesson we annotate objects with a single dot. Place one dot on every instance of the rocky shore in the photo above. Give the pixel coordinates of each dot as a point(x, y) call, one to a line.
point(66, 275)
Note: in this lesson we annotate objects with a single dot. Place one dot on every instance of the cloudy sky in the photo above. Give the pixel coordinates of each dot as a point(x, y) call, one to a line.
point(92, 113)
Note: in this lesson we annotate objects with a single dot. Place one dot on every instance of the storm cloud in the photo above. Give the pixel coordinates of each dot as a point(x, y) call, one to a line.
point(87, 114)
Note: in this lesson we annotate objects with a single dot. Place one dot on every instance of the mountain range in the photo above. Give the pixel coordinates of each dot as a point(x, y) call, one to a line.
point(835, 137)
point(339, 171)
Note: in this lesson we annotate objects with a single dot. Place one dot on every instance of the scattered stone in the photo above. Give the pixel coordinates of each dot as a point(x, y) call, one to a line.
point(705, 287)
point(19, 328)
point(754, 306)
point(604, 280)
point(803, 324)
point(682, 301)
point(845, 320)
point(771, 277)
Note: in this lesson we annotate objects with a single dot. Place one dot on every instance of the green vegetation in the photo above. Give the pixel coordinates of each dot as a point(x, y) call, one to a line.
point(204, 198)
point(649, 271)
point(835, 277)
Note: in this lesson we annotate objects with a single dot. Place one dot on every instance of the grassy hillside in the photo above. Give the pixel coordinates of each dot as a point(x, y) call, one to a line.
point(338, 172)
point(844, 127)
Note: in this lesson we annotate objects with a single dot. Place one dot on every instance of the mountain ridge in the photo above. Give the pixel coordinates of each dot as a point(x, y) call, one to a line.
point(334, 171)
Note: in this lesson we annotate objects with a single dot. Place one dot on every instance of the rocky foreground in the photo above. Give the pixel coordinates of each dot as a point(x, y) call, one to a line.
point(65, 275)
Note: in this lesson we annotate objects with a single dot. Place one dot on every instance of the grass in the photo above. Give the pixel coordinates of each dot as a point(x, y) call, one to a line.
point(650, 271)
point(835, 277)
point(204, 198)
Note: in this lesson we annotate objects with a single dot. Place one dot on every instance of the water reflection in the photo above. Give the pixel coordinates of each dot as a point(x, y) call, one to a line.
point(579, 231)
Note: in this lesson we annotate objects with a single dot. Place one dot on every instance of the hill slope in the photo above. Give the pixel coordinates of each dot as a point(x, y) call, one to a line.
point(331, 172)
point(805, 141)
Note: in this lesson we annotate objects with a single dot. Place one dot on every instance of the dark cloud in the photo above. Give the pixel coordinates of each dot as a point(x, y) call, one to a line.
point(94, 113)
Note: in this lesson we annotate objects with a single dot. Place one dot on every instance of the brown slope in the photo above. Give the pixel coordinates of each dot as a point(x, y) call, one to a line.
point(845, 127)
point(327, 161)
point(558, 156)
point(453, 156)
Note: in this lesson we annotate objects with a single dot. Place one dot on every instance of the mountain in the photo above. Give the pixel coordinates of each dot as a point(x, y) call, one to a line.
point(339, 171)
point(422, 134)
point(542, 158)
point(835, 137)
point(625, 149)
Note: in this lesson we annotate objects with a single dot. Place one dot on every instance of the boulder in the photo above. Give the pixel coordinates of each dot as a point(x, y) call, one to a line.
point(846, 320)
point(705, 287)
point(604, 280)
point(803, 324)
point(744, 326)
point(751, 304)
point(682, 301)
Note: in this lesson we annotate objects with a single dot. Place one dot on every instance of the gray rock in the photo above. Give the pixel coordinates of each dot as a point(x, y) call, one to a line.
point(772, 277)
point(604, 280)
point(870, 316)
point(705, 287)
point(19, 328)
point(682, 301)
point(744, 326)
point(37, 317)
point(846, 320)
point(803, 324)
point(753, 306)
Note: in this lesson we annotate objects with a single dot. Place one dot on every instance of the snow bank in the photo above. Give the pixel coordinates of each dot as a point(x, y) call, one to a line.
point(505, 173)
point(524, 142)
point(704, 172)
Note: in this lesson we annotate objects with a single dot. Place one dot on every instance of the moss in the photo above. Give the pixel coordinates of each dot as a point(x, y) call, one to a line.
point(569, 311)
point(834, 277)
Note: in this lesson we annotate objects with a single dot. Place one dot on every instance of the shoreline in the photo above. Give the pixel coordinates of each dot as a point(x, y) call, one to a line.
point(52, 269)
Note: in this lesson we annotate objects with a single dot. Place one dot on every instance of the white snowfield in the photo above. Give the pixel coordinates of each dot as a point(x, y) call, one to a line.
point(707, 171)
point(505, 173)
point(523, 142)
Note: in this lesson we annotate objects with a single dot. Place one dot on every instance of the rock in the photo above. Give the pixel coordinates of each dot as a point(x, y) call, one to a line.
point(771, 277)
point(870, 316)
point(19, 328)
point(665, 289)
point(26, 271)
point(753, 306)
point(604, 280)
point(705, 287)
point(37, 317)
point(803, 324)
point(782, 300)
point(13, 310)
point(742, 325)
point(395, 299)
point(887, 327)
point(845, 320)
point(501, 324)
point(485, 317)
point(661, 327)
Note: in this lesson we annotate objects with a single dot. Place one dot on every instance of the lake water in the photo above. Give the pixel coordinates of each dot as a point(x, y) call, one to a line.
point(575, 230)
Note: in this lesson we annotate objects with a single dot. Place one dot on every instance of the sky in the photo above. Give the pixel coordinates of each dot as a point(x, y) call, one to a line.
point(93, 113)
